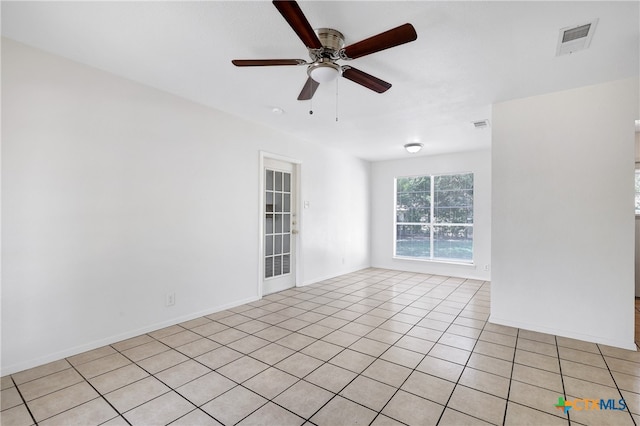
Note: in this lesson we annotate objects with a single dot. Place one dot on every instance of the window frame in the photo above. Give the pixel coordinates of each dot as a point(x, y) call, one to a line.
point(433, 222)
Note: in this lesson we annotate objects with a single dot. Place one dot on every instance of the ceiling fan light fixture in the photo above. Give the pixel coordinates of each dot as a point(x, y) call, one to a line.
point(413, 147)
point(324, 72)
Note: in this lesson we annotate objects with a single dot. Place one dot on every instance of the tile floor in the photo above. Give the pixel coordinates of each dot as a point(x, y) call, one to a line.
point(373, 347)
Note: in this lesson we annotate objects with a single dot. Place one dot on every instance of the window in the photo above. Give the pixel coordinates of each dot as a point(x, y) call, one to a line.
point(434, 217)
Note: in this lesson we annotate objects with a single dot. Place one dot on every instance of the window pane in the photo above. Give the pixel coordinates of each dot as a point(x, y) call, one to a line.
point(453, 242)
point(286, 223)
point(412, 240)
point(277, 265)
point(286, 264)
point(269, 180)
point(278, 244)
point(286, 243)
point(287, 182)
point(278, 201)
point(278, 228)
point(268, 267)
point(269, 201)
point(278, 179)
point(268, 245)
point(268, 224)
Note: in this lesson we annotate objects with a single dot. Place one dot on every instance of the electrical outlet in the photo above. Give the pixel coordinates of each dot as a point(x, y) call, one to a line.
point(170, 299)
point(486, 268)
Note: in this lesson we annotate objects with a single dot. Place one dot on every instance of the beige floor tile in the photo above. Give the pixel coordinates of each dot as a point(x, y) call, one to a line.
point(234, 405)
point(586, 372)
point(252, 326)
point(502, 329)
point(167, 331)
point(440, 368)
point(62, 400)
point(537, 347)
point(293, 324)
point(352, 360)
point(457, 341)
point(118, 421)
point(519, 415)
point(494, 350)
point(316, 331)
point(538, 337)
point(242, 369)
point(273, 333)
point(196, 417)
point(485, 382)
point(368, 392)
point(331, 377)
point(425, 333)
point(632, 401)
point(102, 365)
point(248, 344)
point(272, 353)
point(535, 397)
point(272, 414)
point(48, 384)
point(449, 353)
point(132, 342)
point(370, 347)
point(197, 322)
point(413, 410)
point(402, 357)
point(627, 382)
point(219, 357)
point(582, 357)
point(91, 355)
point(601, 417)
point(6, 382)
point(205, 388)
point(358, 329)
point(608, 351)
point(537, 377)
point(229, 335)
point(10, 398)
point(270, 382)
point(499, 338)
point(455, 418)
point(198, 347)
point(382, 420)
point(461, 330)
point(490, 364)
point(624, 366)
point(341, 411)
point(182, 373)
point(299, 364)
point(209, 329)
point(585, 389)
point(130, 396)
point(341, 338)
point(387, 372)
point(303, 398)
point(94, 412)
point(295, 341)
point(542, 362)
point(323, 350)
point(160, 411)
point(115, 379)
point(478, 404)
point(16, 416)
point(429, 387)
point(145, 350)
point(40, 371)
point(162, 361)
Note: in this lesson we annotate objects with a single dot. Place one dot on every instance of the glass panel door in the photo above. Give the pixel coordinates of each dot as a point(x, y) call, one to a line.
point(278, 223)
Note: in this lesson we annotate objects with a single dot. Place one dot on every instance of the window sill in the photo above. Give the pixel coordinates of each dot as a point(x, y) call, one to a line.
point(445, 262)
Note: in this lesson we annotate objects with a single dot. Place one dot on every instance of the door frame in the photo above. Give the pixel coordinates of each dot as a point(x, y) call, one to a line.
point(297, 167)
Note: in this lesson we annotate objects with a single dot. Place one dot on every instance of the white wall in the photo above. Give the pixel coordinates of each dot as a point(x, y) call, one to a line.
point(562, 213)
point(114, 194)
point(383, 211)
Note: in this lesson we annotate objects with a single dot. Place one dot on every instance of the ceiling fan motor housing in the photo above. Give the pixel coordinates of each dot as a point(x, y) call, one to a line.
point(332, 41)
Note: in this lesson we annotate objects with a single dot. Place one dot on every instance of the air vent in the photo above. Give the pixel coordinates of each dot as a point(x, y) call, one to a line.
point(483, 124)
point(578, 37)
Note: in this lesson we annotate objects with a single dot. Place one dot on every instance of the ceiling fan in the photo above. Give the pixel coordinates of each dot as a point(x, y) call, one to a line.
point(326, 47)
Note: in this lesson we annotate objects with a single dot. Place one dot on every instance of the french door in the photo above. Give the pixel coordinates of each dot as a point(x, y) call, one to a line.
point(280, 226)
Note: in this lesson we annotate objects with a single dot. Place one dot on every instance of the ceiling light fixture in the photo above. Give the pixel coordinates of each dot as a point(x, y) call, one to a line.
point(324, 72)
point(413, 147)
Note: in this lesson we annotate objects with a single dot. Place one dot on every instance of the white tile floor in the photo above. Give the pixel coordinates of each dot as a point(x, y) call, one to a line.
point(373, 347)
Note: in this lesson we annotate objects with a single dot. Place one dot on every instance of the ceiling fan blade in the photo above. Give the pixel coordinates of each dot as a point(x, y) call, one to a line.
point(266, 62)
point(294, 16)
point(364, 79)
point(394, 37)
point(308, 90)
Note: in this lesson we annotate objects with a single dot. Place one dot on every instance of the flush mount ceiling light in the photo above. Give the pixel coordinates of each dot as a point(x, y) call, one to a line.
point(413, 147)
point(324, 72)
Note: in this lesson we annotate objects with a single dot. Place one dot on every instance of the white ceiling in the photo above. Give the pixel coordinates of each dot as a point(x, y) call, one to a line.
point(468, 55)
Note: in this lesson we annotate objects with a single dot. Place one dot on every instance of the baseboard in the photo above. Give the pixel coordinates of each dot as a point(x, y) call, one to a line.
point(14, 368)
point(630, 345)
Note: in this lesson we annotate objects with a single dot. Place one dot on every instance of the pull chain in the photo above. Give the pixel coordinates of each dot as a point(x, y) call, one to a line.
point(311, 106)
